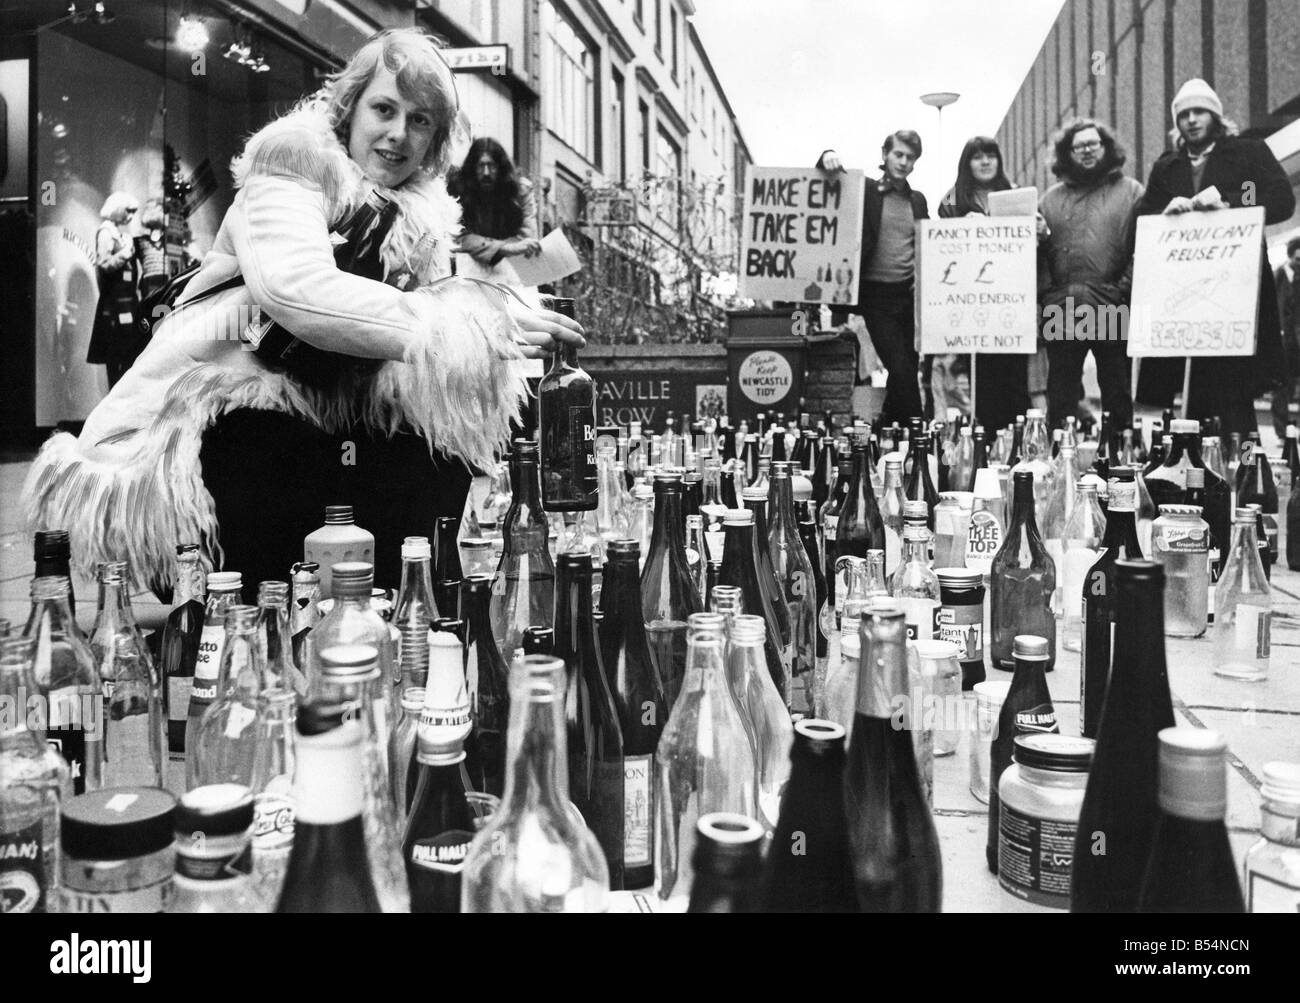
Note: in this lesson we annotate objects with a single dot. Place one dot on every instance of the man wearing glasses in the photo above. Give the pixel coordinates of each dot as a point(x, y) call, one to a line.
point(1085, 269)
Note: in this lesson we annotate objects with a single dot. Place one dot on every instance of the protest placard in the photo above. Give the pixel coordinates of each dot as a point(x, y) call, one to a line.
point(978, 285)
point(1196, 284)
point(802, 238)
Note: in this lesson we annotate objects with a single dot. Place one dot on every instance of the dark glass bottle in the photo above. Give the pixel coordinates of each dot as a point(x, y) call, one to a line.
point(1256, 486)
point(1018, 440)
point(919, 486)
point(639, 700)
point(727, 862)
point(808, 534)
point(1027, 709)
point(52, 553)
point(980, 459)
point(808, 868)
point(180, 645)
point(489, 692)
point(893, 844)
point(1191, 868)
point(523, 589)
point(1291, 451)
point(860, 527)
point(448, 579)
point(1119, 542)
point(823, 469)
point(740, 568)
point(595, 746)
point(795, 588)
point(1293, 524)
point(1105, 455)
point(668, 593)
point(327, 870)
point(1022, 579)
point(1118, 819)
point(539, 640)
point(829, 517)
point(566, 401)
point(1167, 485)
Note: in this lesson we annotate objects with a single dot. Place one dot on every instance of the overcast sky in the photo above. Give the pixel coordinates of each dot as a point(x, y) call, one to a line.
point(804, 75)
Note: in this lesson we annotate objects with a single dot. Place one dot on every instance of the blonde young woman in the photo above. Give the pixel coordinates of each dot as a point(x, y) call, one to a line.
point(114, 340)
point(203, 441)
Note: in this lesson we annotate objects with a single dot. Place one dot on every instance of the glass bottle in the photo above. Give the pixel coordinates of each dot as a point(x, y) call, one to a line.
point(34, 781)
point(668, 594)
point(304, 585)
point(402, 771)
point(1026, 710)
point(863, 525)
point(829, 519)
point(697, 553)
point(566, 402)
point(913, 584)
point(277, 642)
point(226, 743)
point(594, 738)
point(796, 587)
point(52, 554)
point(952, 528)
point(447, 575)
point(523, 591)
point(821, 639)
point(762, 710)
point(961, 473)
point(1035, 457)
point(328, 867)
point(611, 520)
point(1119, 807)
point(180, 645)
point(532, 856)
point(1022, 580)
point(1060, 506)
point(224, 589)
point(1097, 652)
point(133, 711)
point(1243, 607)
point(755, 500)
point(704, 762)
point(338, 541)
point(63, 672)
point(740, 567)
point(1081, 543)
point(1273, 863)
point(727, 864)
point(272, 787)
point(489, 692)
point(639, 700)
point(894, 847)
point(415, 606)
point(807, 868)
point(920, 487)
point(1106, 453)
point(440, 826)
point(214, 851)
point(1191, 868)
point(1167, 485)
point(1293, 523)
point(1255, 485)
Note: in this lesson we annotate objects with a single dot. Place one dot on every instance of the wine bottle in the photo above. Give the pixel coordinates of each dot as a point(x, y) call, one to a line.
point(728, 860)
point(740, 568)
point(1022, 580)
point(860, 527)
point(523, 590)
point(668, 593)
point(1118, 819)
point(489, 693)
point(796, 588)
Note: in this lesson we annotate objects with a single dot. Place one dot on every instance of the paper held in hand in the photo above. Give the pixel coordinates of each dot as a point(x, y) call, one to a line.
point(558, 260)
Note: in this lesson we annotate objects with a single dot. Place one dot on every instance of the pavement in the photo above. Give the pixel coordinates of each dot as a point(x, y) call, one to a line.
point(1261, 721)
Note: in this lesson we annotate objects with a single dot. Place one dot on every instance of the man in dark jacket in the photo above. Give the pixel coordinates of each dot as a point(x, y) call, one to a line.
point(1086, 269)
point(1287, 280)
point(887, 270)
point(1209, 154)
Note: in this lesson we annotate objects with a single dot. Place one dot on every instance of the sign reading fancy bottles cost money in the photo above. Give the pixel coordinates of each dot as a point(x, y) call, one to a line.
point(1196, 283)
point(802, 235)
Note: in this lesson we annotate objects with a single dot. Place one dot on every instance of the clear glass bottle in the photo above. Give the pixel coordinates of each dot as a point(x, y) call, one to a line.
point(705, 761)
point(892, 500)
point(34, 783)
point(223, 592)
point(214, 851)
point(1080, 547)
point(64, 674)
point(1243, 604)
point(401, 746)
point(523, 591)
point(1060, 506)
point(277, 641)
point(611, 520)
point(1022, 580)
point(180, 647)
point(1273, 863)
point(304, 584)
point(133, 707)
point(740, 568)
point(763, 710)
point(668, 593)
point(272, 787)
point(913, 584)
point(532, 856)
point(951, 528)
point(227, 738)
point(1180, 541)
point(795, 586)
point(1036, 457)
point(339, 540)
point(415, 605)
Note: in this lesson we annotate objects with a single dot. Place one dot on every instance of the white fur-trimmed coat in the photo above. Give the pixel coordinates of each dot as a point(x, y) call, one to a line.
point(130, 486)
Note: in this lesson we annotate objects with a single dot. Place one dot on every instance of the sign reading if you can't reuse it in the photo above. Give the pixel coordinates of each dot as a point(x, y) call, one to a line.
point(802, 236)
point(978, 285)
point(1196, 284)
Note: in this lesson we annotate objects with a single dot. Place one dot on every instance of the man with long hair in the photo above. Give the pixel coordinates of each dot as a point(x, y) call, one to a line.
point(499, 212)
point(1086, 268)
point(1208, 153)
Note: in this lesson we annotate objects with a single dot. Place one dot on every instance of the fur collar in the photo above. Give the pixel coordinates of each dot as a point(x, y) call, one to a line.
point(302, 143)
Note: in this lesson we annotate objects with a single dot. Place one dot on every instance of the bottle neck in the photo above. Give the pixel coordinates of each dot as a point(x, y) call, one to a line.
point(572, 607)
point(56, 613)
point(882, 667)
point(669, 524)
point(536, 748)
point(1022, 505)
point(16, 687)
point(780, 500)
point(189, 580)
point(416, 582)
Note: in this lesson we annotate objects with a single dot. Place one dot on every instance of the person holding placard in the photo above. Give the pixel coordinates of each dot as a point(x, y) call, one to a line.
point(1086, 269)
point(887, 273)
point(1287, 280)
point(1002, 381)
point(1208, 154)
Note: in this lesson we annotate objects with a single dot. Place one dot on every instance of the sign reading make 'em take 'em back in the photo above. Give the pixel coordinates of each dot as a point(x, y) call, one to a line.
point(802, 237)
point(1196, 283)
point(978, 284)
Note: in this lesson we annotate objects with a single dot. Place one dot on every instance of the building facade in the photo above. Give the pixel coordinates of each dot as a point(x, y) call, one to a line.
point(1122, 61)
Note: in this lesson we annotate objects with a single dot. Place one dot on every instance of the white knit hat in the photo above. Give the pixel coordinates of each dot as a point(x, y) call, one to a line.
point(1196, 93)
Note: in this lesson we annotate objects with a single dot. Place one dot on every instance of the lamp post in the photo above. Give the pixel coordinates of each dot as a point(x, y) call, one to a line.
point(939, 100)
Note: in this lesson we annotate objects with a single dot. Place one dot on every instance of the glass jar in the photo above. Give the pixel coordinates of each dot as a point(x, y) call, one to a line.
point(961, 619)
point(117, 851)
point(1041, 796)
point(1273, 864)
point(951, 525)
point(1180, 541)
point(988, 706)
point(941, 677)
point(478, 556)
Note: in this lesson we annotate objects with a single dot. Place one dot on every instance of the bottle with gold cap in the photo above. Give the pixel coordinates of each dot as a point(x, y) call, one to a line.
point(1191, 867)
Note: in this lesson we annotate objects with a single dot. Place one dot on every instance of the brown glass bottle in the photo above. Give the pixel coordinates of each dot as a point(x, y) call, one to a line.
point(566, 400)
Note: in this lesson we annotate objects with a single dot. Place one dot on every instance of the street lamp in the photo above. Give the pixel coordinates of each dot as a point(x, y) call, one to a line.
point(939, 100)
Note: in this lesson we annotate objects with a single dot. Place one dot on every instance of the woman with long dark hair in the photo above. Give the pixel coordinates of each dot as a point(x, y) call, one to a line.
point(1001, 381)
